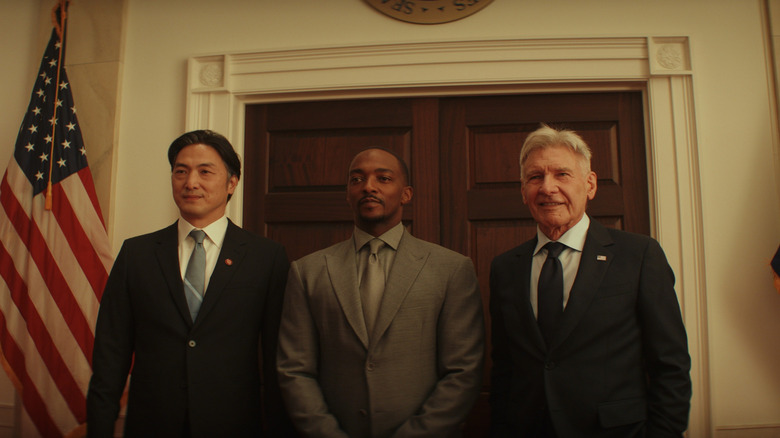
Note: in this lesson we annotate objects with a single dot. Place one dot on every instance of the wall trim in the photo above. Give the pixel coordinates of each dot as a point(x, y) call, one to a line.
point(751, 430)
point(219, 86)
point(7, 418)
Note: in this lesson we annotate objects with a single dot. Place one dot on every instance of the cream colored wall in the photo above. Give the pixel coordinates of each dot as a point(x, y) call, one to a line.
point(735, 117)
point(21, 45)
point(93, 63)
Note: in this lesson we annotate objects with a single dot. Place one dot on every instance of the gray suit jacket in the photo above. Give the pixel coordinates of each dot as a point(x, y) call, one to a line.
point(420, 372)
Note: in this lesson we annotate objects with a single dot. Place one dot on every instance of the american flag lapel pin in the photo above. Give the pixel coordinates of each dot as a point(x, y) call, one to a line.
point(229, 262)
point(601, 258)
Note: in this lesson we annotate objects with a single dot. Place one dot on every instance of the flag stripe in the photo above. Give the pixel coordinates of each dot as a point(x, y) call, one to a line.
point(58, 326)
point(53, 263)
point(89, 189)
point(84, 251)
point(55, 283)
point(37, 375)
point(40, 336)
point(15, 357)
point(66, 259)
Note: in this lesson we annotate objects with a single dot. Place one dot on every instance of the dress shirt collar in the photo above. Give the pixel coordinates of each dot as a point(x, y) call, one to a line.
point(574, 238)
point(215, 231)
point(391, 237)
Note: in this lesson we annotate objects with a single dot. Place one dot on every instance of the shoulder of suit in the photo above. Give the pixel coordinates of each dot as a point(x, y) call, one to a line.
point(250, 237)
point(320, 254)
point(434, 249)
point(525, 247)
point(620, 236)
point(153, 237)
point(625, 241)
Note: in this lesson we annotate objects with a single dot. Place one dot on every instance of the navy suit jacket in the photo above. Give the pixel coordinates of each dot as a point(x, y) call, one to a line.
point(619, 364)
point(203, 376)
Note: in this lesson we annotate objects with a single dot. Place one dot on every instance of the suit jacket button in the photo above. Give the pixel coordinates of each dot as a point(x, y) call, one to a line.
point(363, 413)
point(370, 366)
point(191, 343)
point(549, 365)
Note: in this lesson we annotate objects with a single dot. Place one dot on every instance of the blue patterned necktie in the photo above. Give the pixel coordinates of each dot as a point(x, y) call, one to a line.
point(195, 276)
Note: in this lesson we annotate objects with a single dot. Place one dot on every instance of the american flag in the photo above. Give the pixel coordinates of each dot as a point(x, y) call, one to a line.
point(54, 259)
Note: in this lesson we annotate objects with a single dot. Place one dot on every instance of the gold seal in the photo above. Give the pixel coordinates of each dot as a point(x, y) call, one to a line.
point(428, 11)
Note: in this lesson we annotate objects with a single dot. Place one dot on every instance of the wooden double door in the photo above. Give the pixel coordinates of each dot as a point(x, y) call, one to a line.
point(462, 153)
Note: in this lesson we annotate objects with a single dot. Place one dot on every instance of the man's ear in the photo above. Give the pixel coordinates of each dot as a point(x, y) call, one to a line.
point(592, 182)
point(232, 184)
point(522, 192)
point(406, 195)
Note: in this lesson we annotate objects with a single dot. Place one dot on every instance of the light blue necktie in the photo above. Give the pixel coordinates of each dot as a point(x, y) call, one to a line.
point(195, 277)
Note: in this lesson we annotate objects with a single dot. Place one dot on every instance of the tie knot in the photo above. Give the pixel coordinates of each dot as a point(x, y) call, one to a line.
point(375, 244)
point(198, 235)
point(554, 249)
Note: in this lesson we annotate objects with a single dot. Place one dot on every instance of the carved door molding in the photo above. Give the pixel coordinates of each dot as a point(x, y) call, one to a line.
point(221, 85)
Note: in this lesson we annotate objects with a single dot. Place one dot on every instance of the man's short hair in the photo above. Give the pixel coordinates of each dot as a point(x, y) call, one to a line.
point(401, 162)
point(210, 138)
point(546, 136)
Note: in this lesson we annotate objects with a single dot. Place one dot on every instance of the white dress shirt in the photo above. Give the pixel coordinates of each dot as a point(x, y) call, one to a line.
point(386, 254)
point(212, 244)
point(570, 257)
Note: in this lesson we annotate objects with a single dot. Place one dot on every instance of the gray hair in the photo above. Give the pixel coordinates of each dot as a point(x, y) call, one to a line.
point(546, 137)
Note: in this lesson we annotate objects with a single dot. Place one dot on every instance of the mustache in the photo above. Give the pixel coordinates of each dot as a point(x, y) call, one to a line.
point(370, 198)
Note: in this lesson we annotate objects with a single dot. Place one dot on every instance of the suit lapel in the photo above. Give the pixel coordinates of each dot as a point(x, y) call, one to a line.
point(229, 259)
point(341, 265)
point(167, 254)
point(409, 261)
point(594, 263)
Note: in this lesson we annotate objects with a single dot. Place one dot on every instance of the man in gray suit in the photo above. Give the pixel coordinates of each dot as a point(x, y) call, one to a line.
point(401, 359)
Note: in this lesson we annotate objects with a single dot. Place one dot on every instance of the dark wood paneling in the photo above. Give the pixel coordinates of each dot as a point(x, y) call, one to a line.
point(463, 157)
point(481, 138)
point(424, 166)
point(317, 160)
point(335, 114)
point(493, 161)
point(298, 156)
point(298, 238)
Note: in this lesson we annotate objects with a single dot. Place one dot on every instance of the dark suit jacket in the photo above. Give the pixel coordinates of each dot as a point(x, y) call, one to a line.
point(619, 366)
point(203, 376)
point(417, 375)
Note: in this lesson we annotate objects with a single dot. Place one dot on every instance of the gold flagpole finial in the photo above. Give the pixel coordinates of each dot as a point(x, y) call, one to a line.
point(59, 22)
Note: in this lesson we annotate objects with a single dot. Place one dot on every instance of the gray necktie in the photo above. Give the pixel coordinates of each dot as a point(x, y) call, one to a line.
point(373, 285)
point(195, 277)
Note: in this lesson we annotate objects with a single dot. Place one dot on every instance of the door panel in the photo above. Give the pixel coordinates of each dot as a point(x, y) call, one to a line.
point(297, 155)
point(480, 145)
point(463, 158)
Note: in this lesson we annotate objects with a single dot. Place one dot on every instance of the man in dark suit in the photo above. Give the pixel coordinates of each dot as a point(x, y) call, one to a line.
point(590, 344)
point(402, 360)
point(188, 316)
